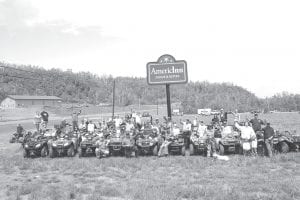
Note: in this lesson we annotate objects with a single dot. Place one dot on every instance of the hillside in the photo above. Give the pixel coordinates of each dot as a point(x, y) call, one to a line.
point(86, 87)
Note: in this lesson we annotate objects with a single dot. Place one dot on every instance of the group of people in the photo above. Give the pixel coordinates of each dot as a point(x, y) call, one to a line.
point(249, 130)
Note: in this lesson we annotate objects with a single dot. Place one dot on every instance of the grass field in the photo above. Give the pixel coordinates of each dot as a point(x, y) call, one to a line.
point(153, 178)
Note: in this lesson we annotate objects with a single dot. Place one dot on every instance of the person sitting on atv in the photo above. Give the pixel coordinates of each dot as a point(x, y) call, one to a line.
point(156, 126)
point(201, 129)
point(211, 142)
point(20, 130)
point(163, 150)
point(91, 127)
point(225, 129)
point(215, 120)
point(175, 130)
point(223, 115)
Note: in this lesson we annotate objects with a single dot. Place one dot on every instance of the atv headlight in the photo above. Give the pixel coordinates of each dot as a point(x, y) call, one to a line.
point(66, 144)
point(54, 144)
point(38, 146)
point(83, 139)
point(26, 146)
point(151, 143)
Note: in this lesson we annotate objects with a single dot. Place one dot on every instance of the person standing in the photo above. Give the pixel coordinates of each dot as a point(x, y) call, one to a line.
point(75, 119)
point(20, 130)
point(237, 116)
point(37, 120)
point(268, 132)
point(247, 134)
point(201, 129)
point(211, 142)
point(187, 131)
point(45, 118)
point(223, 115)
point(256, 123)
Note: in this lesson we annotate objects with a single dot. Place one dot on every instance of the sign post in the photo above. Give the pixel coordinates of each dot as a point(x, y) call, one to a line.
point(167, 71)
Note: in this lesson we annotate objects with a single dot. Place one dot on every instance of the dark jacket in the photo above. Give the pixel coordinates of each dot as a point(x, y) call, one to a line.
point(256, 124)
point(45, 116)
point(268, 132)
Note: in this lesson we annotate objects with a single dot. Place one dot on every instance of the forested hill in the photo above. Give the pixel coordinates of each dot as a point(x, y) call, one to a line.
point(91, 88)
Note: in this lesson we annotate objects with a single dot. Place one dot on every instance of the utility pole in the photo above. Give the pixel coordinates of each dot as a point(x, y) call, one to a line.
point(168, 101)
point(113, 108)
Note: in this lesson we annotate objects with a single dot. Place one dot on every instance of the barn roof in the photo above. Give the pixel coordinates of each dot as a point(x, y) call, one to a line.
point(27, 97)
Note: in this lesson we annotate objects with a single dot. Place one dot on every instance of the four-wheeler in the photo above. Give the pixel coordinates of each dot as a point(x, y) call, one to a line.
point(35, 145)
point(283, 142)
point(198, 145)
point(177, 145)
point(121, 143)
point(147, 142)
point(87, 144)
point(229, 141)
point(63, 144)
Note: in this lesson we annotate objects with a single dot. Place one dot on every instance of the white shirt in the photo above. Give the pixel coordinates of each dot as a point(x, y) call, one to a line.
point(226, 131)
point(129, 127)
point(247, 132)
point(176, 131)
point(137, 118)
point(118, 121)
point(186, 126)
point(201, 130)
point(91, 127)
point(195, 122)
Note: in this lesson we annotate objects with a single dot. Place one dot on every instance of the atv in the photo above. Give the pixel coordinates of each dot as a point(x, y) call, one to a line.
point(63, 144)
point(283, 142)
point(177, 145)
point(87, 144)
point(35, 145)
point(198, 145)
point(120, 143)
point(147, 142)
point(229, 141)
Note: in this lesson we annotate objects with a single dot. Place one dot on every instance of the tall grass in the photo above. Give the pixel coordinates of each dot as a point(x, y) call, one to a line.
point(174, 177)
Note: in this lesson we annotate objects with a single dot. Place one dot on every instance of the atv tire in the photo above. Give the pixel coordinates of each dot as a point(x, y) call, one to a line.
point(127, 152)
point(155, 150)
point(71, 151)
point(192, 151)
point(44, 151)
point(25, 153)
point(183, 150)
point(51, 152)
point(221, 149)
point(80, 152)
point(97, 152)
point(283, 147)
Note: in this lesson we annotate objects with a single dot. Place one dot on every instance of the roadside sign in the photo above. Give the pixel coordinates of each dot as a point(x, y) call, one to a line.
point(167, 71)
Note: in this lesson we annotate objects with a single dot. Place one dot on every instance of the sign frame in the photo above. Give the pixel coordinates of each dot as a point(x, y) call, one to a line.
point(162, 62)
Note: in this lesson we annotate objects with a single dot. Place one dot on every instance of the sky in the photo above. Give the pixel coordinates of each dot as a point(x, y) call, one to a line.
point(253, 44)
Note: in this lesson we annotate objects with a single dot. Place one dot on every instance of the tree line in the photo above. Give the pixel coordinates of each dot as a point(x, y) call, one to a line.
point(85, 87)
